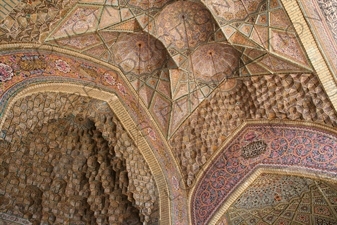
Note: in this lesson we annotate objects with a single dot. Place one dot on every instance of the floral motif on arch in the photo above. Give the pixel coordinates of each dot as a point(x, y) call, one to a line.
point(62, 66)
point(287, 145)
point(6, 72)
point(109, 79)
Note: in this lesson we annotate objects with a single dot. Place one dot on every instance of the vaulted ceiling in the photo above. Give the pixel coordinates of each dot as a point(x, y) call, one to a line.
point(164, 87)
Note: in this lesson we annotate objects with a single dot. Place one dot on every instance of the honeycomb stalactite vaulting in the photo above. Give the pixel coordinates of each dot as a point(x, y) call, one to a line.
point(32, 20)
point(293, 97)
point(78, 165)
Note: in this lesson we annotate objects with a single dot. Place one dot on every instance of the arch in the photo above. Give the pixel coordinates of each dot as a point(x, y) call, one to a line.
point(117, 107)
point(112, 88)
point(108, 78)
point(304, 149)
point(90, 140)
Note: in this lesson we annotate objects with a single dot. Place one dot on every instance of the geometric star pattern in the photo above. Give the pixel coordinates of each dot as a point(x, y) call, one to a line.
point(168, 64)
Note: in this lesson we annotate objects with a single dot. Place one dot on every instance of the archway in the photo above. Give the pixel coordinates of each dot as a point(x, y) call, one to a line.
point(81, 122)
point(289, 146)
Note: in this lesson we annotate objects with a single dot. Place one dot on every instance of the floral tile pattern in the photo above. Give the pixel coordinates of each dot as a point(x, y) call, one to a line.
point(288, 146)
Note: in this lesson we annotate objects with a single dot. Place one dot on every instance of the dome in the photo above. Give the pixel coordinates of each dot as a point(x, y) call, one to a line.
point(184, 24)
point(213, 62)
point(138, 53)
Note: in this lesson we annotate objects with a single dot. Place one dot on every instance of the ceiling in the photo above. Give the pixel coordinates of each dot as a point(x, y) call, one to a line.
point(189, 74)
